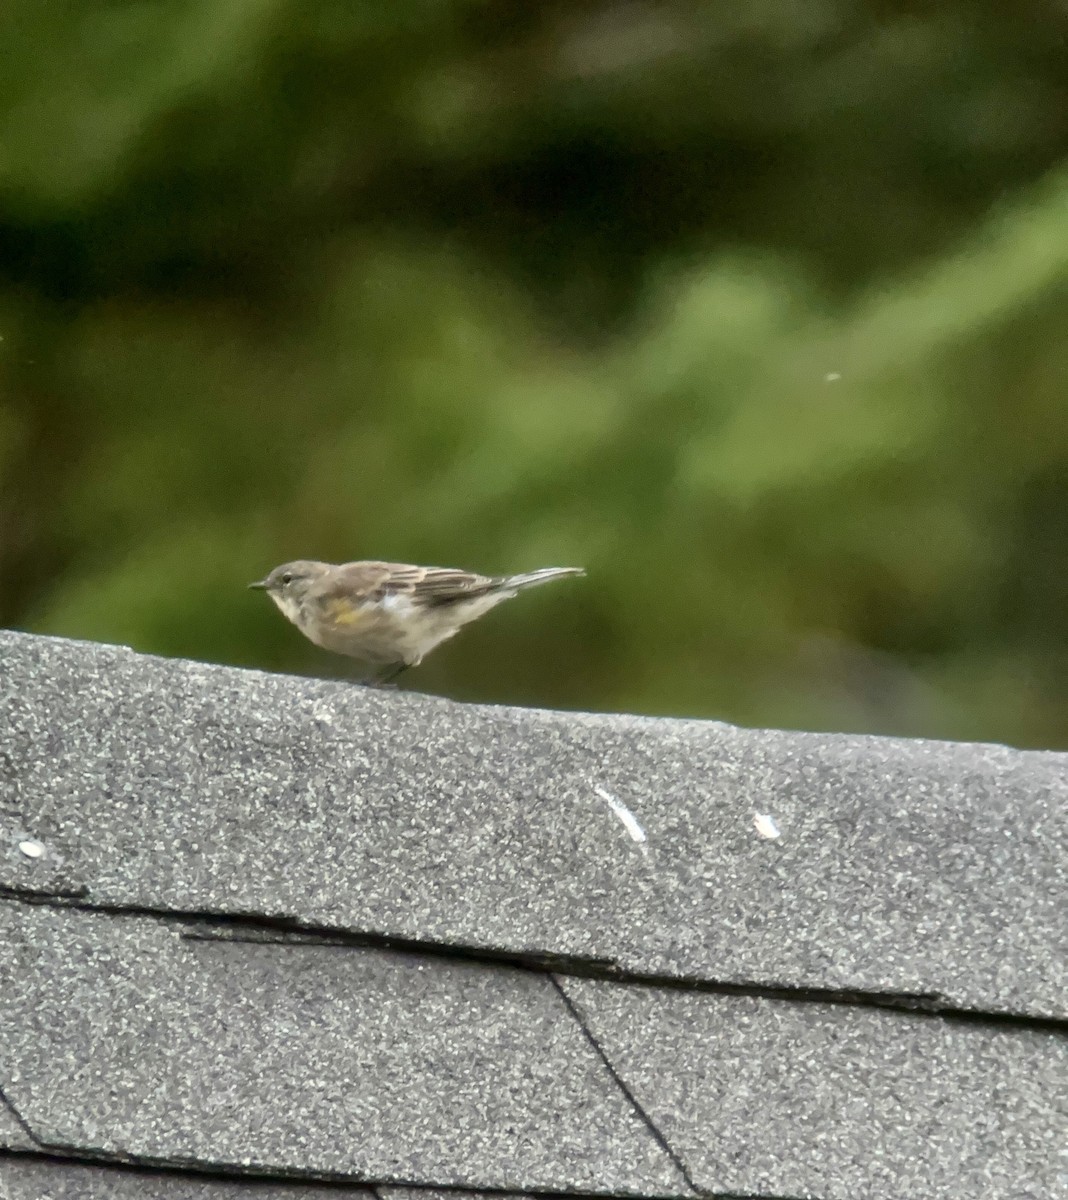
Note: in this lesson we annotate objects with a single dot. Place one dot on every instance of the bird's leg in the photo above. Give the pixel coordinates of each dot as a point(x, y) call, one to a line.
point(386, 677)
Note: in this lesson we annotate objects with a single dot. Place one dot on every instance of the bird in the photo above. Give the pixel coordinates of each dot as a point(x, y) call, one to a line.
point(389, 616)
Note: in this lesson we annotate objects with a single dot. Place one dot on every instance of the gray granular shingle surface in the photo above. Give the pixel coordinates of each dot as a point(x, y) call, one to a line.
point(258, 929)
point(123, 1037)
point(899, 867)
point(12, 1134)
point(407, 1193)
point(27, 1179)
point(763, 1097)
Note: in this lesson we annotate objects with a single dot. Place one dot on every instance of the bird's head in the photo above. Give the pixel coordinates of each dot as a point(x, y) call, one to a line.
point(288, 584)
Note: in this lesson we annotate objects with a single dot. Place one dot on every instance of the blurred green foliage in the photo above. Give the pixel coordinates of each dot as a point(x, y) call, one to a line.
point(758, 312)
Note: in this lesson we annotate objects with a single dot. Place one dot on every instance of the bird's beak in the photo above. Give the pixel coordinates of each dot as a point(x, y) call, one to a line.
point(260, 585)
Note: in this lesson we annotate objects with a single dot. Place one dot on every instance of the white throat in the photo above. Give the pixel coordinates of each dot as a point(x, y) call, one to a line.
point(289, 607)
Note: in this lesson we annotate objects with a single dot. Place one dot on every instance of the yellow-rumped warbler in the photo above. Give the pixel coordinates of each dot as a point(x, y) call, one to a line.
point(389, 615)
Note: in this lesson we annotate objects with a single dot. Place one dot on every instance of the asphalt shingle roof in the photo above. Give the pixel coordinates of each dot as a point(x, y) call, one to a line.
point(774, 1097)
point(341, 1061)
point(285, 929)
point(30, 1179)
point(12, 1134)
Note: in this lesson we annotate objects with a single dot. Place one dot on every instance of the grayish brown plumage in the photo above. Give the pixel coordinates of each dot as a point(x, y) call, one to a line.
point(389, 615)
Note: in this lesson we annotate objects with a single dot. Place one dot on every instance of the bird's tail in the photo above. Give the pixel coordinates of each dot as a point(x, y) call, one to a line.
point(533, 578)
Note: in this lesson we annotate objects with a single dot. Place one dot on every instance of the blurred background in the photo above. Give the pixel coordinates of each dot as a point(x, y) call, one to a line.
point(758, 311)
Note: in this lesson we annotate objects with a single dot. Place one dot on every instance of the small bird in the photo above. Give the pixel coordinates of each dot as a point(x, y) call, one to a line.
point(389, 615)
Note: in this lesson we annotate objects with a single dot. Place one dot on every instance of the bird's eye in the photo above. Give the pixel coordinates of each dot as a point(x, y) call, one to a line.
point(287, 577)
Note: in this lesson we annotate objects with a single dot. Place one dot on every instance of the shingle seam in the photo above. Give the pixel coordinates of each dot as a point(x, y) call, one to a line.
point(280, 929)
point(501, 1194)
point(621, 1084)
point(209, 1172)
point(327, 1185)
point(19, 1119)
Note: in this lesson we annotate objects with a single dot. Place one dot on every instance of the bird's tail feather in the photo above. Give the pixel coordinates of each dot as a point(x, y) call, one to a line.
point(533, 578)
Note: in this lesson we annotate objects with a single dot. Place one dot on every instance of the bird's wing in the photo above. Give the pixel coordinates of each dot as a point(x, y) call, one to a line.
point(425, 585)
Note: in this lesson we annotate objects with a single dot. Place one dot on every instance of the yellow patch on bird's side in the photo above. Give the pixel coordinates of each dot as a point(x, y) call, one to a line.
point(342, 612)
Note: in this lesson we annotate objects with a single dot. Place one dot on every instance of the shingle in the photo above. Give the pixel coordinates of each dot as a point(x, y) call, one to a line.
point(36, 1179)
point(899, 866)
point(123, 1037)
point(408, 1193)
point(12, 1134)
point(765, 1097)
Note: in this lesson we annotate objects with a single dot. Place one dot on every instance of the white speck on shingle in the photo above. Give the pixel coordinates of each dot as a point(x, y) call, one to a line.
point(32, 849)
point(764, 824)
point(629, 820)
point(832, 377)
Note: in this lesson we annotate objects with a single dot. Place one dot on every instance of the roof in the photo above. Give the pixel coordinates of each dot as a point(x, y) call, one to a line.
point(323, 939)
